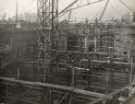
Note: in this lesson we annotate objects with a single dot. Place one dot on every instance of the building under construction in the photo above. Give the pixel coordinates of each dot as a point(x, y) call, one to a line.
point(62, 62)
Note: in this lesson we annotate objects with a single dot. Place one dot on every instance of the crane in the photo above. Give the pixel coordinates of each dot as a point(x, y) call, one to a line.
point(48, 15)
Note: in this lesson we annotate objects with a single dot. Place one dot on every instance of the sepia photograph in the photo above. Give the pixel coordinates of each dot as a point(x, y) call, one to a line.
point(67, 51)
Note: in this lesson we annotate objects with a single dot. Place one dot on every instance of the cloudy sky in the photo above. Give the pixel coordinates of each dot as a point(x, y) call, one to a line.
point(115, 8)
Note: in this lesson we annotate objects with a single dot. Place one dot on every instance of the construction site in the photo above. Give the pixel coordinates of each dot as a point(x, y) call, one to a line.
point(54, 61)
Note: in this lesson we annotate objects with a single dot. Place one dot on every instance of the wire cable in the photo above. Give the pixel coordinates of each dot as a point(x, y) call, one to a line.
point(103, 12)
point(79, 6)
point(123, 3)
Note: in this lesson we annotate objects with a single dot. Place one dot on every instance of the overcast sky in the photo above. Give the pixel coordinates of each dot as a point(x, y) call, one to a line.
point(115, 8)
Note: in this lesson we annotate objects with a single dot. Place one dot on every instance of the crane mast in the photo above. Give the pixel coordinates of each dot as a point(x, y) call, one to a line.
point(46, 10)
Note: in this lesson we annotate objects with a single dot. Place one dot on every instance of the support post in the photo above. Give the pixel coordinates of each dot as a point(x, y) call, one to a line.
point(70, 99)
point(73, 78)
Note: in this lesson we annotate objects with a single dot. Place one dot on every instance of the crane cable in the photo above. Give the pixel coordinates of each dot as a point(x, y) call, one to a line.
point(123, 3)
point(80, 6)
point(83, 5)
point(103, 12)
point(70, 5)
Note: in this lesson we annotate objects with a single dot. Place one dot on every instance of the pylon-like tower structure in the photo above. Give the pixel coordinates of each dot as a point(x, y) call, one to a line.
point(47, 17)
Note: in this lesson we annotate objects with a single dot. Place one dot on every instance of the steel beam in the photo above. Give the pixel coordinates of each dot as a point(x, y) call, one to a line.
point(54, 86)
